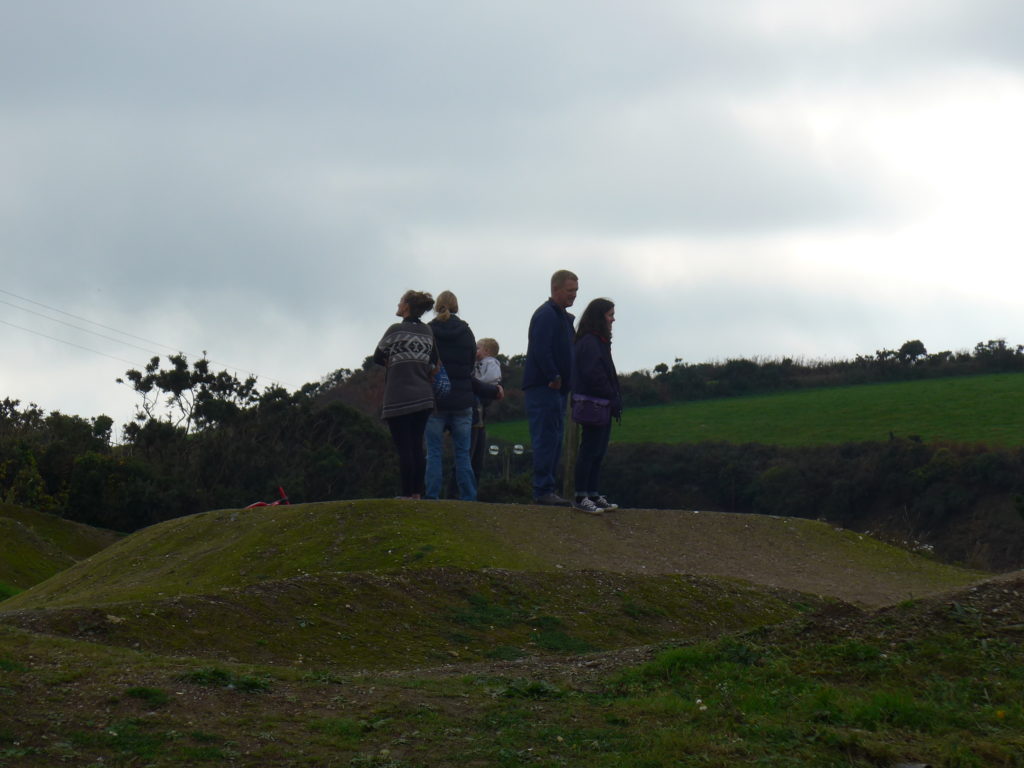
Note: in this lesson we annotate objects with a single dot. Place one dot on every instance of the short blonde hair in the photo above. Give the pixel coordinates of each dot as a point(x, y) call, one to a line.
point(558, 279)
point(446, 306)
point(488, 345)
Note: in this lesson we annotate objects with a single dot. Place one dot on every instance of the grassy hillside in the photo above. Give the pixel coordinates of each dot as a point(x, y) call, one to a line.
point(34, 546)
point(933, 682)
point(431, 634)
point(971, 409)
point(214, 552)
point(329, 582)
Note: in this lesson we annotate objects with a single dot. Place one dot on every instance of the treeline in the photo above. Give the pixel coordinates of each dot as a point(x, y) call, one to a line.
point(202, 440)
point(362, 388)
point(743, 376)
point(732, 378)
point(964, 502)
point(205, 440)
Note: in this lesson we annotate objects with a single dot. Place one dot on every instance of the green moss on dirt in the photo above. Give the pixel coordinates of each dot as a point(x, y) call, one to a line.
point(385, 584)
point(422, 617)
point(231, 549)
point(864, 551)
point(858, 553)
point(439, 633)
point(934, 681)
point(34, 546)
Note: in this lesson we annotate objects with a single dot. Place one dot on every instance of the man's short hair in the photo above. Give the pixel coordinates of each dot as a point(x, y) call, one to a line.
point(561, 277)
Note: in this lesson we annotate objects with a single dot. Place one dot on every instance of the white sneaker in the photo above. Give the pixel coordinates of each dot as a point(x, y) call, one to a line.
point(586, 505)
point(602, 503)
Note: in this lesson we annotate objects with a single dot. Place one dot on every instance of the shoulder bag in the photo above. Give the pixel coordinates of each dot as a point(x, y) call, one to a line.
point(591, 411)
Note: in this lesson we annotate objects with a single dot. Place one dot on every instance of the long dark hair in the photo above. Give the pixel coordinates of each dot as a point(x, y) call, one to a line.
point(593, 319)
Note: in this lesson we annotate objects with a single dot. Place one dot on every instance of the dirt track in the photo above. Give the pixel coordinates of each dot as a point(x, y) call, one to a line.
point(790, 553)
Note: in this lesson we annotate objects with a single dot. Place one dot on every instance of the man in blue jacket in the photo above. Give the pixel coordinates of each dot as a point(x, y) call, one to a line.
point(547, 379)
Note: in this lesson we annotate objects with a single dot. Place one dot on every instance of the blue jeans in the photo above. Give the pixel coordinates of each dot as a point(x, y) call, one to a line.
point(545, 412)
point(461, 425)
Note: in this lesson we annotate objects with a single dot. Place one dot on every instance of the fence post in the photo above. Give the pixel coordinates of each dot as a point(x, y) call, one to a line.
point(569, 450)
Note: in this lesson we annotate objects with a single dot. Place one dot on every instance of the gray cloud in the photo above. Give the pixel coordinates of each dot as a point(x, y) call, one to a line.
point(263, 180)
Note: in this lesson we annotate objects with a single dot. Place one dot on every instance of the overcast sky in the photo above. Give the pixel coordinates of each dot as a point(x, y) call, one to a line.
point(263, 180)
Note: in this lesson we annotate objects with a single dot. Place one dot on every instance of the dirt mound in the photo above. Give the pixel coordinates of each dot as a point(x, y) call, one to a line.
point(993, 608)
point(228, 549)
point(424, 617)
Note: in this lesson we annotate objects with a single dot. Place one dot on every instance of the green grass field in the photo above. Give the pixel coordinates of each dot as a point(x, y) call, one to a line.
point(415, 634)
point(971, 409)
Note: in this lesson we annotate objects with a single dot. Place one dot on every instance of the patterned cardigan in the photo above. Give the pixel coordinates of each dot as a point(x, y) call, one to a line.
point(409, 355)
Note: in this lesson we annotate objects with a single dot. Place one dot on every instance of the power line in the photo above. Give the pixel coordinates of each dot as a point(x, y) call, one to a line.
point(108, 338)
point(83, 319)
point(69, 343)
point(77, 327)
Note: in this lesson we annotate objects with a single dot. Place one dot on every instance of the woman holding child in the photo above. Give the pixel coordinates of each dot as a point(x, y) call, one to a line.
point(594, 378)
point(456, 346)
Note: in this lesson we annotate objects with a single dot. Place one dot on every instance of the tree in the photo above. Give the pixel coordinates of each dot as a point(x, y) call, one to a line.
point(193, 399)
point(911, 352)
point(37, 452)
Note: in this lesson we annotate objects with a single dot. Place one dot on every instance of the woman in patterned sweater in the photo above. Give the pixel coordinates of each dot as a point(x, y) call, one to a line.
point(408, 353)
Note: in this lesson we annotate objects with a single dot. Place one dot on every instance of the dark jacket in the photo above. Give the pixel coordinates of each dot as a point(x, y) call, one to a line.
point(550, 350)
point(457, 347)
point(594, 371)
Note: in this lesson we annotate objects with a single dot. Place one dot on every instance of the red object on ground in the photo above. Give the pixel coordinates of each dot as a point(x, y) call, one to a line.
point(282, 500)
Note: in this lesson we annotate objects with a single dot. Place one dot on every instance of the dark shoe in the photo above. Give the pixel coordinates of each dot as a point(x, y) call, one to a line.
point(584, 504)
point(551, 500)
point(602, 503)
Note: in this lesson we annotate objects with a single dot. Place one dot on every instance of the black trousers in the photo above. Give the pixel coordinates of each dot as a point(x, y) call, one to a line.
point(407, 433)
point(593, 446)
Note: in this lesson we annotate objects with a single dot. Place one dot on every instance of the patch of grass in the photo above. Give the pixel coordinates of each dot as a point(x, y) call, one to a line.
point(505, 653)
point(221, 678)
point(900, 709)
point(536, 690)
point(203, 753)
point(968, 409)
point(551, 636)
point(481, 612)
point(6, 590)
point(382, 759)
point(132, 738)
point(14, 753)
point(9, 665)
point(816, 701)
point(341, 732)
point(154, 697)
point(636, 610)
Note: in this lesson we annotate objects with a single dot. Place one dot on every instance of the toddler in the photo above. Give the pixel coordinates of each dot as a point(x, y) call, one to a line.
point(487, 369)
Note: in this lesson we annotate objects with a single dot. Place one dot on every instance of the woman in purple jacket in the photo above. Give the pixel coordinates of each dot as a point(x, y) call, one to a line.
point(594, 375)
